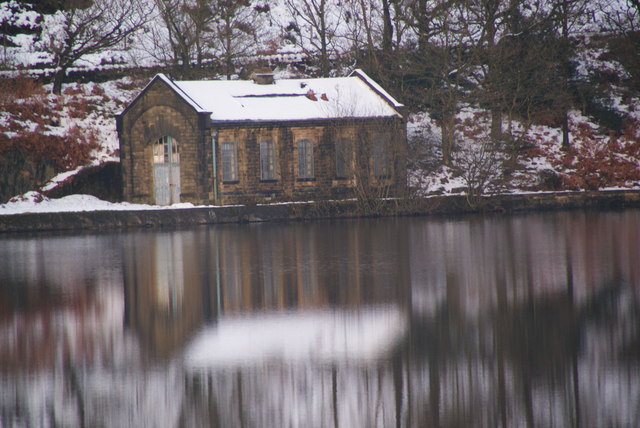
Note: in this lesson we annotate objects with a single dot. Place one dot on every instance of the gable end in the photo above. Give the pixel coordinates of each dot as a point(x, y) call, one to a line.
point(172, 86)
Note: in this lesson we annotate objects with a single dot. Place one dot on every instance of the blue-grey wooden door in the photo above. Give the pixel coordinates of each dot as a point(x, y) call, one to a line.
point(166, 171)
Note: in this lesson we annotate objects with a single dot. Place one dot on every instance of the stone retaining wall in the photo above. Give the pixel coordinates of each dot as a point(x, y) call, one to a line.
point(438, 205)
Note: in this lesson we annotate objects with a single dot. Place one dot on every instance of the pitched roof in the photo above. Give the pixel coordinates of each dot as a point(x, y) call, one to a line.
point(356, 96)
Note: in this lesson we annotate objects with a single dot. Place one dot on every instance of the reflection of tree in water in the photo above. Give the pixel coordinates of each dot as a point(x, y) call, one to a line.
point(508, 342)
point(527, 364)
point(281, 394)
point(438, 344)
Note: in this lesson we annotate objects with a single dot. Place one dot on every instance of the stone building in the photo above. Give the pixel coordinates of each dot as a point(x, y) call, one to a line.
point(228, 142)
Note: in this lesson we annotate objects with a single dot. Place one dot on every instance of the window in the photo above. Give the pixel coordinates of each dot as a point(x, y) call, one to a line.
point(165, 150)
point(343, 158)
point(267, 161)
point(229, 155)
point(380, 157)
point(305, 160)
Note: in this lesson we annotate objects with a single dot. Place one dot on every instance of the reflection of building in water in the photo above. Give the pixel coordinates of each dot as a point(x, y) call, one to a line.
point(169, 272)
point(321, 297)
point(175, 281)
point(273, 267)
point(166, 291)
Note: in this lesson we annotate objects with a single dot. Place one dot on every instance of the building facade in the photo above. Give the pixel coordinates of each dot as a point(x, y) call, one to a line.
point(238, 142)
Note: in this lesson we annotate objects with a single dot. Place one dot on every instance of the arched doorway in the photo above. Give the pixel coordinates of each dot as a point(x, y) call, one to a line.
point(166, 170)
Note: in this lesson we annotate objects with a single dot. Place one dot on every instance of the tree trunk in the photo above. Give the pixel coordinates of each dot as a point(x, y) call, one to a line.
point(448, 132)
point(496, 124)
point(324, 56)
point(229, 66)
point(387, 31)
point(565, 131)
point(228, 48)
point(566, 69)
point(58, 79)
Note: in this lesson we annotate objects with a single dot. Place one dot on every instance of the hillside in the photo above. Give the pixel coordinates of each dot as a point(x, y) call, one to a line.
point(531, 105)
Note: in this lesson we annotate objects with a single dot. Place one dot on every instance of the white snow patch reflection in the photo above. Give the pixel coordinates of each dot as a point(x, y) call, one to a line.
point(314, 336)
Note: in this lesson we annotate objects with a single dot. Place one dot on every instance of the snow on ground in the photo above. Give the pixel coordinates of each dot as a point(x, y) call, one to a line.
point(109, 98)
point(35, 202)
point(609, 158)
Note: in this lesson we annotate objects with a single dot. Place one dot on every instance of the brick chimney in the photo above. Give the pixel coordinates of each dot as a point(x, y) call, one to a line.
point(263, 76)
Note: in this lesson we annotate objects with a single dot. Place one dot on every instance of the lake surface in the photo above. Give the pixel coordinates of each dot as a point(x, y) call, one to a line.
point(506, 321)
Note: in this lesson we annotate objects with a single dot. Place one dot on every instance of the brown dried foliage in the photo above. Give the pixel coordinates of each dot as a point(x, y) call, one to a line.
point(31, 143)
point(595, 163)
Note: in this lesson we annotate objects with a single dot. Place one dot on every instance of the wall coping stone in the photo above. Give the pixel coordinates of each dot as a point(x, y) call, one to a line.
point(433, 205)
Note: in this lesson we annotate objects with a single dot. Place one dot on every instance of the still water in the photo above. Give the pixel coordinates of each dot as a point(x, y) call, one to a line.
point(506, 321)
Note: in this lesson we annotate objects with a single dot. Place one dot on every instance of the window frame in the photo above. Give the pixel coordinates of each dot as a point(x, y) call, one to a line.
point(343, 158)
point(229, 161)
point(166, 149)
point(306, 170)
point(381, 157)
point(267, 161)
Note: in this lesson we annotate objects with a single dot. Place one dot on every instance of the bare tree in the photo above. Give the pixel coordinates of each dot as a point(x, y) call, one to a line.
point(314, 27)
point(375, 30)
point(426, 18)
point(368, 154)
point(198, 30)
point(479, 165)
point(361, 18)
point(88, 27)
point(184, 23)
point(234, 30)
point(621, 17)
point(566, 13)
point(442, 62)
point(523, 59)
point(622, 20)
point(487, 23)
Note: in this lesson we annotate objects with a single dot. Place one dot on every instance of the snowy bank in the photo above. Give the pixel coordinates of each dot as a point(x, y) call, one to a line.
point(101, 215)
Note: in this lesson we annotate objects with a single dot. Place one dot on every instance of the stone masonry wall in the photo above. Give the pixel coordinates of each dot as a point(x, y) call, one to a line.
point(436, 205)
point(159, 112)
point(287, 186)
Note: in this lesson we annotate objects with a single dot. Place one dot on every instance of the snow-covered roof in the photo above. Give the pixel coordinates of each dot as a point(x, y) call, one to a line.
point(180, 92)
point(356, 96)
